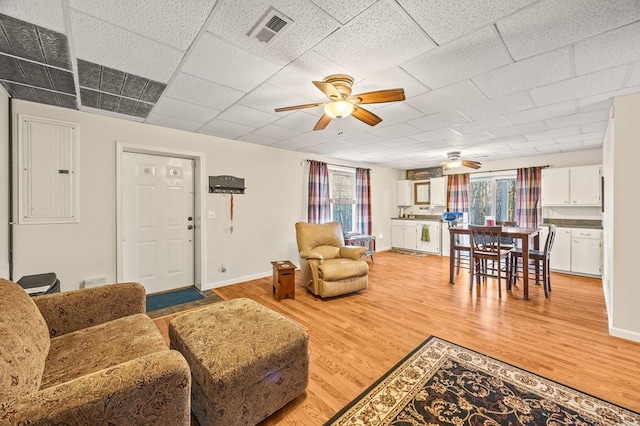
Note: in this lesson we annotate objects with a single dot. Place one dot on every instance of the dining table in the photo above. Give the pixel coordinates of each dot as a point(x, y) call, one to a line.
point(525, 235)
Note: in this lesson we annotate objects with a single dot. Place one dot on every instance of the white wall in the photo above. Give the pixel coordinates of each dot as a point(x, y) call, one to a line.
point(622, 175)
point(4, 185)
point(264, 217)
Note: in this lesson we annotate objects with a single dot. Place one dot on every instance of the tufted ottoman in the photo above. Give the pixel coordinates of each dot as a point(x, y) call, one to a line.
point(246, 361)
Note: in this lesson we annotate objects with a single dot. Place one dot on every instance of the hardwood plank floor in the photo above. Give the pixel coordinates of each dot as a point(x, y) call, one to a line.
point(353, 340)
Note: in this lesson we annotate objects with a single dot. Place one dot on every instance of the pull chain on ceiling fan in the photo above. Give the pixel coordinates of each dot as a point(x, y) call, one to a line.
point(337, 87)
point(454, 160)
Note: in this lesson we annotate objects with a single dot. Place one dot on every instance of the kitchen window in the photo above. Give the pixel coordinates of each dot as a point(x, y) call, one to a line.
point(493, 196)
point(342, 194)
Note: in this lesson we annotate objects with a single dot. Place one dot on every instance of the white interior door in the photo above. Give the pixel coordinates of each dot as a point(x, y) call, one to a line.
point(157, 221)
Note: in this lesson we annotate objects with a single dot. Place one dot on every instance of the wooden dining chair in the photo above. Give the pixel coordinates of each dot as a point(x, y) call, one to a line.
point(461, 248)
point(486, 246)
point(540, 264)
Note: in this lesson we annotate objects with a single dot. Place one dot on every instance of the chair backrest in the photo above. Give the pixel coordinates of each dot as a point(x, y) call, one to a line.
point(312, 235)
point(551, 236)
point(508, 223)
point(485, 239)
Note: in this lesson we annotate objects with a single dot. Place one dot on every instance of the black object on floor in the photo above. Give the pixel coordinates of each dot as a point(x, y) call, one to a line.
point(38, 284)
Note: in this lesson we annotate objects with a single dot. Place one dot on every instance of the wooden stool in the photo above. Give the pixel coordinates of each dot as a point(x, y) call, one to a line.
point(284, 280)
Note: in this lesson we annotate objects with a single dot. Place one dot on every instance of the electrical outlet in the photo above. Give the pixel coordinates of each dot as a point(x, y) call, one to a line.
point(211, 214)
point(223, 267)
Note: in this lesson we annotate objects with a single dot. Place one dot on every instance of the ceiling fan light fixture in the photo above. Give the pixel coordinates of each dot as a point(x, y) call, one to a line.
point(338, 109)
point(454, 164)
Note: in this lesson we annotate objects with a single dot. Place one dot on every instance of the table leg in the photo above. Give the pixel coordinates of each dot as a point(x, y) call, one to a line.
point(452, 256)
point(525, 267)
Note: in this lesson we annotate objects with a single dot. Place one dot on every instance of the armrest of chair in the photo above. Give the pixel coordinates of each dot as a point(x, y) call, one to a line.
point(154, 389)
point(311, 255)
point(353, 252)
point(74, 310)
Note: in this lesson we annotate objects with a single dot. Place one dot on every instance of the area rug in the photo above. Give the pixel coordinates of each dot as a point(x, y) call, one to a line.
point(441, 383)
point(171, 298)
point(408, 252)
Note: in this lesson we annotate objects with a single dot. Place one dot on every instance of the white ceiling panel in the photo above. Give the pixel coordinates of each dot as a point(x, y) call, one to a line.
point(258, 140)
point(604, 100)
point(172, 122)
point(575, 88)
point(344, 11)
point(174, 23)
point(599, 126)
point(445, 20)
point(542, 113)
point(578, 119)
point(394, 113)
point(215, 60)
point(442, 119)
point(520, 129)
point(634, 78)
point(111, 46)
point(300, 120)
point(526, 74)
point(550, 24)
point(581, 137)
point(242, 114)
point(551, 134)
point(435, 135)
point(375, 41)
point(498, 106)
point(47, 14)
point(480, 125)
point(268, 97)
point(393, 78)
point(447, 98)
point(395, 131)
point(235, 19)
point(203, 92)
point(277, 132)
point(467, 57)
point(185, 110)
point(609, 49)
point(225, 129)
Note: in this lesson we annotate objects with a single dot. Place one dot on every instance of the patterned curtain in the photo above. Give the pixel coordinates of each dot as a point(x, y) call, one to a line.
point(363, 201)
point(528, 184)
point(318, 206)
point(458, 193)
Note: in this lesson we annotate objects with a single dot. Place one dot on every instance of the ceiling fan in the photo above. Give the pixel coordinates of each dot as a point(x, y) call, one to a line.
point(454, 160)
point(337, 87)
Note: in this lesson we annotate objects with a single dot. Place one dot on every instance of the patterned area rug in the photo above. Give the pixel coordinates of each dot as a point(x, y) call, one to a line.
point(408, 252)
point(440, 383)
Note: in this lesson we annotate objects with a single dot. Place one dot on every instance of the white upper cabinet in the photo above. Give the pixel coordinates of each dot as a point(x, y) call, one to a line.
point(571, 186)
point(439, 191)
point(405, 193)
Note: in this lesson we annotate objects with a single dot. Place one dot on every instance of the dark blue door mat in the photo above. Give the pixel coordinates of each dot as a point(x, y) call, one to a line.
point(171, 298)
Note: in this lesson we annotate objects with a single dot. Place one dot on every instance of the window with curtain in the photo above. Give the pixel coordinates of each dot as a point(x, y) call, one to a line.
point(494, 196)
point(342, 196)
point(318, 201)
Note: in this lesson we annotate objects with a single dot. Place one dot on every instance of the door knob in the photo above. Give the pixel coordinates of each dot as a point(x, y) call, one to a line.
point(189, 218)
point(190, 227)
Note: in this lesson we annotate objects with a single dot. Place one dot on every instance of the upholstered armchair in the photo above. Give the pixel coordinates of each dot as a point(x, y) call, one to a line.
point(329, 268)
point(87, 357)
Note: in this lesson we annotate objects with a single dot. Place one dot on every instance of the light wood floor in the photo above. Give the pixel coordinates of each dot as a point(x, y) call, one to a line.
point(353, 340)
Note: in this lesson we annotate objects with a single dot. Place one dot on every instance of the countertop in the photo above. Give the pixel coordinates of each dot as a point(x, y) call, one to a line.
point(574, 223)
point(436, 217)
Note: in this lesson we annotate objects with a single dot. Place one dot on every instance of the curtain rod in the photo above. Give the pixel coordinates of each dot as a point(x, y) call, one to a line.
point(340, 165)
point(505, 170)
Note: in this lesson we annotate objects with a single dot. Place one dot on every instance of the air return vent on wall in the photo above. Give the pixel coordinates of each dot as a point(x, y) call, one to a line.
point(272, 24)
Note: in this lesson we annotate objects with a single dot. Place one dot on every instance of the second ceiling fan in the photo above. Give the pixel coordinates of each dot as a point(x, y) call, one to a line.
point(337, 87)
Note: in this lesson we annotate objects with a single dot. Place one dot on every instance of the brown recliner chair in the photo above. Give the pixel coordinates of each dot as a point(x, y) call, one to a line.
point(329, 268)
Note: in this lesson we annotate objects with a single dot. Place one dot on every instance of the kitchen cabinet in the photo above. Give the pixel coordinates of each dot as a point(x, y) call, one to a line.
point(433, 245)
point(586, 251)
point(404, 193)
point(439, 191)
point(403, 234)
point(571, 186)
point(560, 258)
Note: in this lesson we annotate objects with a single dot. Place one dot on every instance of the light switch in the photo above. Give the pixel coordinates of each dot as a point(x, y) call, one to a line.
point(211, 214)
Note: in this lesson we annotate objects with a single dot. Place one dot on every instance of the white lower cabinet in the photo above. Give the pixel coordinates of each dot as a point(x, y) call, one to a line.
point(433, 234)
point(576, 250)
point(407, 235)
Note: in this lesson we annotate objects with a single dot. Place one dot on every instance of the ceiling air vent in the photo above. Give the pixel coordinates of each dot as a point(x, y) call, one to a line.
point(272, 24)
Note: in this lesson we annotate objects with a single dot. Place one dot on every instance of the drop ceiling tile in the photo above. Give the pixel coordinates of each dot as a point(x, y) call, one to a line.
point(55, 47)
point(532, 144)
point(174, 23)
point(435, 121)
point(634, 79)
point(579, 87)
point(593, 143)
point(89, 74)
point(362, 139)
point(127, 106)
point(268, 97)
point(581, 137)
point(464, 58)
point(498, 106)
point(394, 113)
point(172, 122)
point(47, 14)
point(108, 102)
point(550, 24)
point(542, 113)
point(578, 119)
point(90, 98)
point(393, 78)
point(185, 110)
point(344, 11)
point(462, 140)
point(526, 74)
point(152, 91)
point(36, 74)
point(216, 60)
point(604, 100)
point(23, 38)
point(519, 129)
point(259, 140)
point(10, 70)
point(248, 116)
point(396, 131)
point(143, 109)
point(560, 147)
point(101, 43)
point(488, 124)
point(447, 98)
point(552, 134)
point(225, 129)
point(62, 80)
point(376, 40)
point(111, 81)
point(276, 132)
point(599, 126)
point(134, 86)
point(201, 91)
point(299, 120)
point(435, 135)
point(606, 50)
point(446, 20)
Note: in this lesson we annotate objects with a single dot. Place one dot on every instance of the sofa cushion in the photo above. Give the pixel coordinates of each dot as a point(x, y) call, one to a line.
point(24, 343)
point(340, 269)
point(105, 345)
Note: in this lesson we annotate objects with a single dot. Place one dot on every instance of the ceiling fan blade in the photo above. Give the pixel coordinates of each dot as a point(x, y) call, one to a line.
point(379, 96)
point(323, 122)
point(291, 108)
point(365, 116)
point(471, 164)
point(328, 89)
